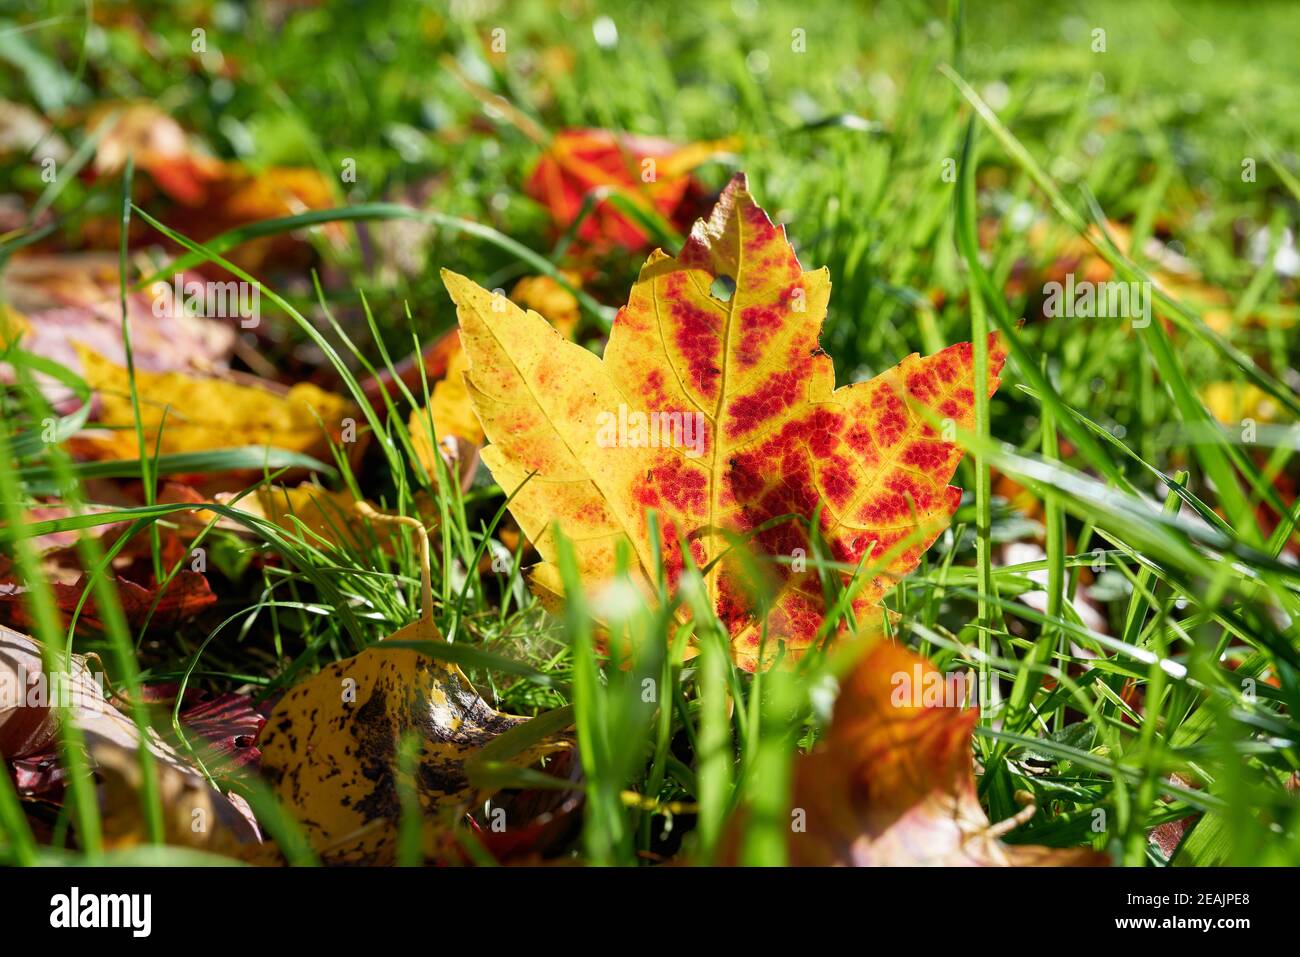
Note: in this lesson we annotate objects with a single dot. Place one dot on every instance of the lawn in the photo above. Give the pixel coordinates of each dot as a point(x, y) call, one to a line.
point(341, 570)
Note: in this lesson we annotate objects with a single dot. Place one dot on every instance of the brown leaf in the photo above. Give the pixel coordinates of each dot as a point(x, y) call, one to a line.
point(893, 783)
point(195, 815)
point(186, 596)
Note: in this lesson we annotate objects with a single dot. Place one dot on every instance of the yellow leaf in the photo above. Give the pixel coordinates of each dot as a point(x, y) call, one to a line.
point(330, 748)
point(1232, 402)
point(450, 408)
point(556, 304)
point(196, 413)
point(323, 514)
point(453, 415)
point(720, 412)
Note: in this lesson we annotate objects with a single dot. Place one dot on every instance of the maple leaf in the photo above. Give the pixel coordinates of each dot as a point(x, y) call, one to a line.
point(755, 427)
point(892, 782)
point(454, 423)
point(579, 161)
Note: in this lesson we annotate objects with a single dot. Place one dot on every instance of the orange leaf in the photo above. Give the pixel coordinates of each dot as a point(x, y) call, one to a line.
point(159, 146)
point(722, 415)
point(652, 173)
point(892, 783)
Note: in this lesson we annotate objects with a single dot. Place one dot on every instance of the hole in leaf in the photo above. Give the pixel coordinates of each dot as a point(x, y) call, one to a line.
point(724, 287)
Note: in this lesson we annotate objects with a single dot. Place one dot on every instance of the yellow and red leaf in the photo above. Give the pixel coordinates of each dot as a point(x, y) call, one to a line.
point(775, 437)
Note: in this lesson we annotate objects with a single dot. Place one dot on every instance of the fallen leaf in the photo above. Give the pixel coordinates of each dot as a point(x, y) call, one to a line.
point(39, 775)
point(187, 594)
point(195, 814)
point(1231, 403)
point(208, 413)
point(892, 783)
point(328, 516)
point(61, 300)
point(1074, 255)
point(159, 146)
point(212, 196)
point(449, 407)
point(430, 365)
point(223, 727)
point(744, 398)
point(330, 746)
point(228, 726)
point(241, 196)
point(651, 173)
point(540, 820)
point(545, 295)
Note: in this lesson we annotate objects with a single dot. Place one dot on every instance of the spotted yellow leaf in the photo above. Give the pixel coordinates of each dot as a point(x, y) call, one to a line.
point(331, 746)
point(715, 406)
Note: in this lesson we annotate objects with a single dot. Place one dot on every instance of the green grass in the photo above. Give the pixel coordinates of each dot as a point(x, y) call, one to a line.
point(1103, 423)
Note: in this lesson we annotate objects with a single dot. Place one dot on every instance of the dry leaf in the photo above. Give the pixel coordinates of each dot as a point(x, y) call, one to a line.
point(195, 815)
point(159, 146)
point(187, 594)
point(892, 783)
point(330, 746)
point(747, 427)
point(228, 726)
point(62, 300)
point(211, 195)
point(244, 196)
